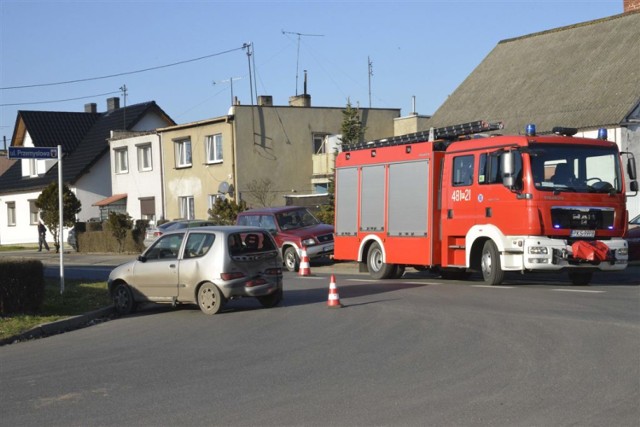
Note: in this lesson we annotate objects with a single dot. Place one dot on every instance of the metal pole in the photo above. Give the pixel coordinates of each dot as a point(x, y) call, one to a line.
point(61, 219)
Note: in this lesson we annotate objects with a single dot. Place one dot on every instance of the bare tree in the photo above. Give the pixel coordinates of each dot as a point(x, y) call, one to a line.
point(262, 191)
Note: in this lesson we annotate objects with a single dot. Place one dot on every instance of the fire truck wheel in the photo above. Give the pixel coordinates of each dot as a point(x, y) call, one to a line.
point(491, 269)
point(377, 268)
point(398, 271)
point(580, 278)
point(291, 259)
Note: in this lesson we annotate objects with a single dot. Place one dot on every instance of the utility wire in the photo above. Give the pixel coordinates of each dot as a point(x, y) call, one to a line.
point(58, 100)
point(124, 73)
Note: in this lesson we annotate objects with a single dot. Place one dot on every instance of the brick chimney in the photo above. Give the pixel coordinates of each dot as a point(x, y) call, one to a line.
point(91, 108)
point(113, 103)
point(631, 5)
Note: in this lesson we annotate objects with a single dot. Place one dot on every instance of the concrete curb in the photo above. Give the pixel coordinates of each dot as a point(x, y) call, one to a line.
point(60, 326)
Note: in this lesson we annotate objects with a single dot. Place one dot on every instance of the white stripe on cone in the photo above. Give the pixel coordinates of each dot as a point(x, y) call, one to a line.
point(334, 299)
point(305, 267)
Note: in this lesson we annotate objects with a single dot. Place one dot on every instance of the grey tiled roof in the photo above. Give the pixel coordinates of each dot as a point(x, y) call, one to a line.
point(83, 137)
point(585, 75)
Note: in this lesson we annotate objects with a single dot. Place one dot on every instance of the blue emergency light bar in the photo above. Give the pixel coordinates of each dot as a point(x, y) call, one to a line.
point(602, 134)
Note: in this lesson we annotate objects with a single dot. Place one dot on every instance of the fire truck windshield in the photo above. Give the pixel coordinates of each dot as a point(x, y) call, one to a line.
point(575, 168)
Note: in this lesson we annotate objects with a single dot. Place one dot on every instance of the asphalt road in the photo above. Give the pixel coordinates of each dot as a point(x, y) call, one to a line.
point(414, 351)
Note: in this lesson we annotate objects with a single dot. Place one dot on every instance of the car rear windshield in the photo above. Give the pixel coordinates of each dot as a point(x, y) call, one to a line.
point(250, 242)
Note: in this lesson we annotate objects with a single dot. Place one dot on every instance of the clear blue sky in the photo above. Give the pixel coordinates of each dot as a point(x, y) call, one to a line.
point(418, 48)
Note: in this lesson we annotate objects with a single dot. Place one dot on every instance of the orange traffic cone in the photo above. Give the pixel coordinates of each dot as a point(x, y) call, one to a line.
point(334, 298)
point(305, 267)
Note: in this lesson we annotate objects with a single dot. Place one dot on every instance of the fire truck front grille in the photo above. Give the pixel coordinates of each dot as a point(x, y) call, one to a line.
point(579, 218)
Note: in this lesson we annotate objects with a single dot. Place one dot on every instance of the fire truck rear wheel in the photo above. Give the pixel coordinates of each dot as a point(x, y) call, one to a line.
point(398, 271)
point(491, 269)
point(377, 268)
point(580, 278)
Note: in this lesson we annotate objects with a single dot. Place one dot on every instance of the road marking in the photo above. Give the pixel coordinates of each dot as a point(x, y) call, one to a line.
point(579, 290)
point(492, 287)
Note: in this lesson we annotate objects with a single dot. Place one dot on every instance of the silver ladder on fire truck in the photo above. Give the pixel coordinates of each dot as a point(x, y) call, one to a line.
point(446, 133)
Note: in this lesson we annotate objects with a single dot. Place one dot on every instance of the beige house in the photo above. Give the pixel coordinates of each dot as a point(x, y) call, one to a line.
point(290, 146)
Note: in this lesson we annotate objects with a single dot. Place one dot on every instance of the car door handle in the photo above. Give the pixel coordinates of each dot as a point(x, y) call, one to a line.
point(172, 266)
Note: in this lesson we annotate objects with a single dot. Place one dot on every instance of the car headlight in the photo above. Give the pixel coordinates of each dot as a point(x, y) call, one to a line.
point(623, 251)
point(308, 242)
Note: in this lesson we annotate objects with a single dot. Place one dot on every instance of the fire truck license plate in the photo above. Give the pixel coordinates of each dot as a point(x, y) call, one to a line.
point(582, 233)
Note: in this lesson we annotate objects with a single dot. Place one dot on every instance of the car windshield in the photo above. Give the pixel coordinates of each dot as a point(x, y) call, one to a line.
point(298, 218)
point(575, 168)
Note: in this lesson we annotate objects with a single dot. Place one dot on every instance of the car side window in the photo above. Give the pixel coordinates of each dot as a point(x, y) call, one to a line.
point(268, 223)
point(198, 244)
point(166, 247)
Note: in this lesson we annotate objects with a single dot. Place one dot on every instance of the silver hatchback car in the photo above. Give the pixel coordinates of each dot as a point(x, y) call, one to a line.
point(205, 266)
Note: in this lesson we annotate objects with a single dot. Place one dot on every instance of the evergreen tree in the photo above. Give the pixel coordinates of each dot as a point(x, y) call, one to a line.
point(352, 133)
point(225, 212)
point(48, 204)
point(119, 224)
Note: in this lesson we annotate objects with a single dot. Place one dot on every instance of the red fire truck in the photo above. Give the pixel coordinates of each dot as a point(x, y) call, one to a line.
point(458, 199)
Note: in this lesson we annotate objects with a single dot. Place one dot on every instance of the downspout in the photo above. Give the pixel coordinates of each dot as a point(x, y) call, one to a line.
point(162, 194)
point(234, 172)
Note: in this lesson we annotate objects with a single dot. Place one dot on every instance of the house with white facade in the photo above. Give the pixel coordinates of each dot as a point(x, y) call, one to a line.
point(86, 164)
point(136, 176)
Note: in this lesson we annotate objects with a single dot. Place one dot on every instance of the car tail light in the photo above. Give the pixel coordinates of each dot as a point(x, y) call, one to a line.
point(231, 276)
point(273, 271)
point(255, 282)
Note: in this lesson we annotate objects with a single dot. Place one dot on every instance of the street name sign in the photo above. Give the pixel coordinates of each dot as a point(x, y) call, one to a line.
point(32, 153)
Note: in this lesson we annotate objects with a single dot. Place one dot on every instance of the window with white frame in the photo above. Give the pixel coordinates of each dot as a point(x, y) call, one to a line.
point(213, 198)
point(319, 146)
point(33, 167)
point(33, 212)
point(121, 160)
point(148, 209)
point(144, 158)
point(213, 145)
point(183, 153)
point(187, 207)
point(11, 214)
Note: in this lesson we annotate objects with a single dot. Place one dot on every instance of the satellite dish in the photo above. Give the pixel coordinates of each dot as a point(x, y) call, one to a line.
point(223, 188)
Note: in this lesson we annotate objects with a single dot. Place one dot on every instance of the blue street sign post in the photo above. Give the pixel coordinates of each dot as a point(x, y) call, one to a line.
point(47, 153)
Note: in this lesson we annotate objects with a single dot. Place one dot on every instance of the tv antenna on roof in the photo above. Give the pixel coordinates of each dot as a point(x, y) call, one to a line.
point(298, 54)
point(229, 80)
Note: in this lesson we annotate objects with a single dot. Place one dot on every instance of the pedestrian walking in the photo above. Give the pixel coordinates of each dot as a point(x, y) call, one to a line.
point(42, 237)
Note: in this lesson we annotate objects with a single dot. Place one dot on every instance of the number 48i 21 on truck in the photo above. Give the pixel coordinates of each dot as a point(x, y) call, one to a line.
point(450, 200)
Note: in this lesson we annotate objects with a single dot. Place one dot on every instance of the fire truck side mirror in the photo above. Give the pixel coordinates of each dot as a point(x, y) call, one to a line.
point(633, 186)
point(508, 166)
point(631, 168)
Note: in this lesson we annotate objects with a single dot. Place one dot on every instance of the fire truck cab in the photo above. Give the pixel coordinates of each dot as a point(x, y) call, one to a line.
point(459, 203)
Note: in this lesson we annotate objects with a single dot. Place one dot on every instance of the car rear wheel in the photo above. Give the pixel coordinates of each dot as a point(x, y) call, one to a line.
point(272, 300)
point(291, 259)
point(123, 299)
point(210, 299)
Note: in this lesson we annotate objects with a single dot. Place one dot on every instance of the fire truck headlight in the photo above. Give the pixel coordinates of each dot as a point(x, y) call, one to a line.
point(623, 251)
point(538, 250)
